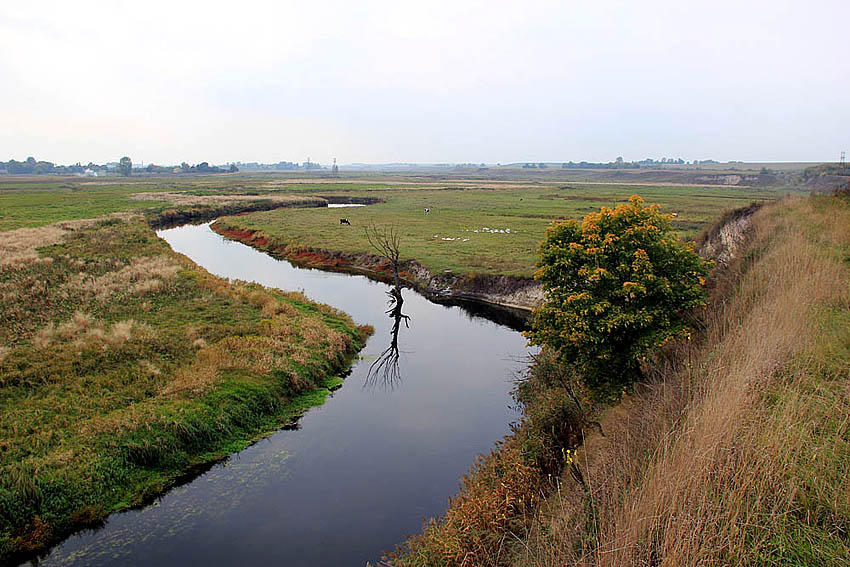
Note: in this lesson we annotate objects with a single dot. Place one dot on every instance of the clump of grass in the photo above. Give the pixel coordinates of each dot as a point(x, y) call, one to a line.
point(141, 276)
point(21, 478)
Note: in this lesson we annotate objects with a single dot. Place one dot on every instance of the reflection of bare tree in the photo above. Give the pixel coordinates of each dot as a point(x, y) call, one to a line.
point(385, 370)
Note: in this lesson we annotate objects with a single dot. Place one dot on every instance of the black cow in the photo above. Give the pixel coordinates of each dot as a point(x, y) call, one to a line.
point(344, 221)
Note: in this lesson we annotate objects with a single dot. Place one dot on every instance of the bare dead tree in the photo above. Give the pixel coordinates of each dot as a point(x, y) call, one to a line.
point(387, 243)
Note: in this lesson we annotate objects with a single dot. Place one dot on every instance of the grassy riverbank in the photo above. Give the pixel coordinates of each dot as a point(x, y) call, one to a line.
point(737, 451)
point(123, 366)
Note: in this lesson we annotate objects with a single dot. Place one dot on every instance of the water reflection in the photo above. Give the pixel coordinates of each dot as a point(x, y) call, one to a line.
point(385, 370)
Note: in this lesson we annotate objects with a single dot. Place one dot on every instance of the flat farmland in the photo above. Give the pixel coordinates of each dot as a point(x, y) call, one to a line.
point(483, 225)
point(490, 229)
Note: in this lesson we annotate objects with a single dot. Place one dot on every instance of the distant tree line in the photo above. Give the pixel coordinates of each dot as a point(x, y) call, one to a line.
point(31, 166)
point(620, 163)
point(279, 166)
point(205, 167)
point(124, 166)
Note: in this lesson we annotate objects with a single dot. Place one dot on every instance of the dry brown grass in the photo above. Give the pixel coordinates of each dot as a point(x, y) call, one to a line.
point(739, 455)
point(143, 276)
point(20, 245)
point(87, 333)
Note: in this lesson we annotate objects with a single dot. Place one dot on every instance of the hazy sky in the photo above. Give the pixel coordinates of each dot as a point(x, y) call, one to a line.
point(430, 81)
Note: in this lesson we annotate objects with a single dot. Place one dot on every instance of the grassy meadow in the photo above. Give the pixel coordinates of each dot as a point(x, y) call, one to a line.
point(509, 213)
point(494, 229)
point(123, 366)
point(27, 202)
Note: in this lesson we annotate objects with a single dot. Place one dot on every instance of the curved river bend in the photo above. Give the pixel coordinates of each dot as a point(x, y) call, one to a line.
point(358, 473)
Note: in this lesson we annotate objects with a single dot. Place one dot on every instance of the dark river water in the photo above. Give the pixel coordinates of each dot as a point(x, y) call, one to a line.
point(359, 472)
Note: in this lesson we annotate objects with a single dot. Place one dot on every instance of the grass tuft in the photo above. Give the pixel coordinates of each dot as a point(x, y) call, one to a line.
point(124, 366)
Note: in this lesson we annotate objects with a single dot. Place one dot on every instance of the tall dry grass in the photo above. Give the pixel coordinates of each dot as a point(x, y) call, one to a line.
point(740, 453)
point(21, 245)
point(142, 276)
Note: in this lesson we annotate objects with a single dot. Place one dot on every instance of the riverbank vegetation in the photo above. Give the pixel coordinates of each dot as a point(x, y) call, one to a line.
point(734, 450)
point(123, 367)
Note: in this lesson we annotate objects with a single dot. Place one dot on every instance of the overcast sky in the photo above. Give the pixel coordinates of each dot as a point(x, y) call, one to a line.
point(430, 81)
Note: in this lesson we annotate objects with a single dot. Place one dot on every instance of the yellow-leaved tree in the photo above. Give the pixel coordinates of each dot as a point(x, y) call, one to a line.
point(617, 285)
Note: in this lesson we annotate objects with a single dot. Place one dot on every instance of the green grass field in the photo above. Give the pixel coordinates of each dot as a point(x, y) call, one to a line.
point(37, 201)
point(445, 239)
point(491, 230)
point(43, 202)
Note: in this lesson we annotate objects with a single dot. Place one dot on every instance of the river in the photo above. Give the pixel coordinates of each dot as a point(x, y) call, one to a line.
point(356, 474)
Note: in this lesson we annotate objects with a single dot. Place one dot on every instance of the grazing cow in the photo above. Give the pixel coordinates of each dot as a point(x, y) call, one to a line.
point(427, 210)
point(344, 221)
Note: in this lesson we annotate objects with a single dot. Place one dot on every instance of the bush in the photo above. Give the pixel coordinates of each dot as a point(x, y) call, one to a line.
point(616, 287)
